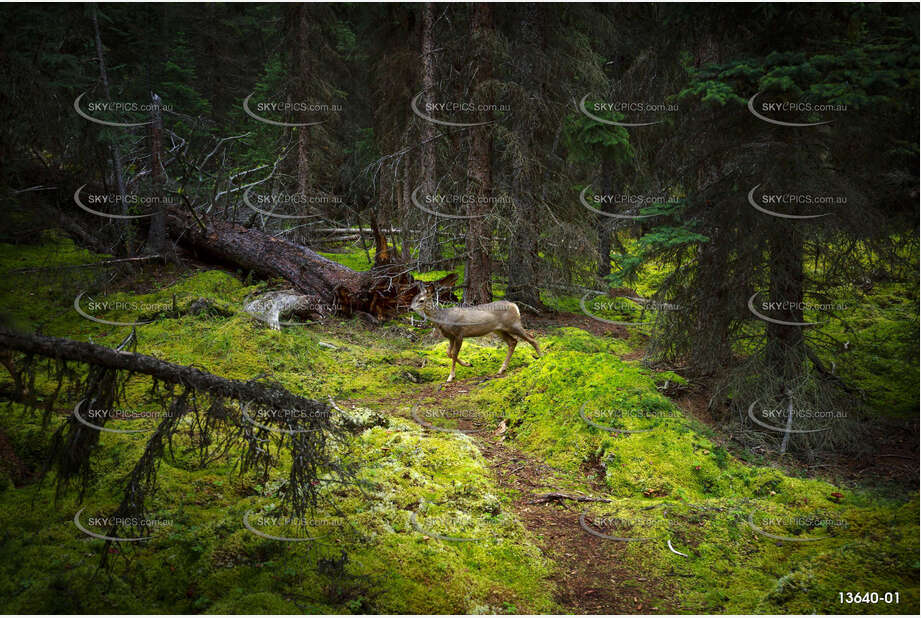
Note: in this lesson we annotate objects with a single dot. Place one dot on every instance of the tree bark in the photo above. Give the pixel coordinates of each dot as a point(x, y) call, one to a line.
point(127, 228)
point(156, 234)
point(299, 29)
point(523, 256)
point(785, 343)
point(384, 292)
point(429, 249)
point(478, 273)
point(604, 223)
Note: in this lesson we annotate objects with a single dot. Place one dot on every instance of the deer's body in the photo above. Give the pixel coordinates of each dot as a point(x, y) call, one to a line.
point(456, 323)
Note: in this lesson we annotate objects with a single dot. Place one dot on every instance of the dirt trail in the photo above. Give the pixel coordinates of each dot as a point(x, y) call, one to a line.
point(591, 576)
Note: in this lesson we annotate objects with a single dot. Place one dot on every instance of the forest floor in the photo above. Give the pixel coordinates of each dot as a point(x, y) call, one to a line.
point(590, 578)
point(686, 480)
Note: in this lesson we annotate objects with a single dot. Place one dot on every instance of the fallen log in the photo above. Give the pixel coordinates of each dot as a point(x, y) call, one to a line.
point(305, 427)
point(171, 373)
point(384, 291)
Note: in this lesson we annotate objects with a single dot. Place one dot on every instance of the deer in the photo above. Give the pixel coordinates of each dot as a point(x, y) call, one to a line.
point(456, 323)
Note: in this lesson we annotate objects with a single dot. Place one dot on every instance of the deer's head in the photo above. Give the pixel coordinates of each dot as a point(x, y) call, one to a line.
point(422, 301)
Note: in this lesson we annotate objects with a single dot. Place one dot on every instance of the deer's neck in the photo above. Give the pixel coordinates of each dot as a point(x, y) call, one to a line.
point(429, 311)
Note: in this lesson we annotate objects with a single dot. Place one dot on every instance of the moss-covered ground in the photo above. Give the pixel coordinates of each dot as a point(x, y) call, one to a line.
point(595, 423)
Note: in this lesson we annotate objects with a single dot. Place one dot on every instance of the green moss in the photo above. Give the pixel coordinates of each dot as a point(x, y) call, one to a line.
point(702, 497)
point(263, 603)
point(356, 259)
point(206, 562)
point(881, 357)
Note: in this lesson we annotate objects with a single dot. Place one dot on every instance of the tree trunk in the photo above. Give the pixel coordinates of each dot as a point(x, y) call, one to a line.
point(785, 343)
point(127, 227)
point(604, 223)
point(302, 77)
point(786, 349)
point(156, 233)
point(102, 356)
point(523, 255)
point(478, 283)
point(256, 251)
point(384, 292)
point(429, 249)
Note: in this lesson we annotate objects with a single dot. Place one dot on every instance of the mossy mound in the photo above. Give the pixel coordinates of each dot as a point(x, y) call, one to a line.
point(672, 483)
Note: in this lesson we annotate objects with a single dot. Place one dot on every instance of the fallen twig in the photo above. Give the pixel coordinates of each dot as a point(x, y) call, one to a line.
point(90, 265)
point(554, 496)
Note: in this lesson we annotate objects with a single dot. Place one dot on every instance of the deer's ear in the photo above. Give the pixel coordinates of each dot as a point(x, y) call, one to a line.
point(447, 281)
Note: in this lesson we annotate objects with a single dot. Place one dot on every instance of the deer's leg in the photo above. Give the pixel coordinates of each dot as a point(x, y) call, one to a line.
point(453, 349)
point(451, 356)
point(457, 348)
point(512, 342)
point(518, 330)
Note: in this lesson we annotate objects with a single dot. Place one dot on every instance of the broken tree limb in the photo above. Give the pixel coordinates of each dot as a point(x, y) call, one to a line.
point(101, 356)
point(304, 427)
